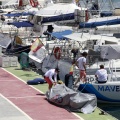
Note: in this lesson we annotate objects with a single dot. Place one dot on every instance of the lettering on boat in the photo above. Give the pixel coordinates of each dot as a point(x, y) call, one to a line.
point(109, 88)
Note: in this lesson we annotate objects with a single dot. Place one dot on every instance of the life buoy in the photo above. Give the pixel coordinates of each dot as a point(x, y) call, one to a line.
point(57, 53)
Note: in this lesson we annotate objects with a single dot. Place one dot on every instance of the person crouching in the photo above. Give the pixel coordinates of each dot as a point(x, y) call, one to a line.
point(48, 77)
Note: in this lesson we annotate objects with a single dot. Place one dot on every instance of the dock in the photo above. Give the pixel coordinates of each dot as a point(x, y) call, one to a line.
point(28, 102)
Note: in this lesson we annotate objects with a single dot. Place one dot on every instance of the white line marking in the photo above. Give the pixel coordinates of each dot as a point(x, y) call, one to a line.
point(8, 80)
point(28, 97)
point(16, 107)
point(77, 116)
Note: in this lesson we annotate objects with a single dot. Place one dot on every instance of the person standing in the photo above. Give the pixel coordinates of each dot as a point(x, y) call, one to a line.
point(101, 75)
point(75, 52)
point(81, 64)
point(49, 75)
point(2, 18)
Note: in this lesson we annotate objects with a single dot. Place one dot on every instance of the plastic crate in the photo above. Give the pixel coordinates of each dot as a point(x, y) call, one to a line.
point(4, 61)
point(13, 61)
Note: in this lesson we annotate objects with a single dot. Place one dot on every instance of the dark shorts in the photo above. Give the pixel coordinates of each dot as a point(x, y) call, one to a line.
point(102, 81)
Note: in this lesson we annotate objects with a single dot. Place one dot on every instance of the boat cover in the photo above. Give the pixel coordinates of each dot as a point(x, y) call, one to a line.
point(39, 55)
point(36, 81)
point(49, 62)
point(110, 51)
point(75, 101)
point(61, 17)
point(38, 51)
point(22, 24)
point(17, 14)
point(81, 37)
point(106, 13)
point(5, 40)
point(58, 9)
point(60, 35)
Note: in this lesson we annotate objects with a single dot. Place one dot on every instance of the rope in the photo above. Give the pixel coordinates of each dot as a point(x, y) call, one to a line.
point(91, 79)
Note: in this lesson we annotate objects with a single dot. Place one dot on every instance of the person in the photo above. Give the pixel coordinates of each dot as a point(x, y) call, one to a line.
point(75, 52)
point(101, 75)
point(50, 28)
point(81, 64)
point(49, 31)
point(2, 18)
point(49, 75)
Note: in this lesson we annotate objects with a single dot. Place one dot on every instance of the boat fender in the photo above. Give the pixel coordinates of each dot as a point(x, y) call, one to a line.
point(57, 52)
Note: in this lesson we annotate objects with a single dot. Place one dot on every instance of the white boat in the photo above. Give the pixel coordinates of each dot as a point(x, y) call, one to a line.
point(66, 55)
point(106, 92)
point(109, 56)
point(62, 13)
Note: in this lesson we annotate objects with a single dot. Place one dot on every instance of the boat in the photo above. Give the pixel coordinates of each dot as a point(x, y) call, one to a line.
point(106, 92)
point(62, 13)
point(106, 53)
point(64, 47)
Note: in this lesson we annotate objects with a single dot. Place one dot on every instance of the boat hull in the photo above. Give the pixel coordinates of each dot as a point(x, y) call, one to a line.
point(105, 92)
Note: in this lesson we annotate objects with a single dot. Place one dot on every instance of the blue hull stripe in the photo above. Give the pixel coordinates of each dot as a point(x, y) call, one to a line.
point(95, 24)
point(89, 88)
point(59, 18)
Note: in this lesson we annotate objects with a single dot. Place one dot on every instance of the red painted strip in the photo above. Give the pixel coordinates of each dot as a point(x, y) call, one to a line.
point(30, 100)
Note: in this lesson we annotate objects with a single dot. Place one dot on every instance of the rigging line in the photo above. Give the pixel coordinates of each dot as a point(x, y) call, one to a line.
point(108, 3)
point(101, 5)
point(19, 51)
point(111, 4)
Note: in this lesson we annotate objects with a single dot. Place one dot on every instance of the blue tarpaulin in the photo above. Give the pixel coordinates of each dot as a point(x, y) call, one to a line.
point(17, 14)
point(22, 24)
point(60, 35)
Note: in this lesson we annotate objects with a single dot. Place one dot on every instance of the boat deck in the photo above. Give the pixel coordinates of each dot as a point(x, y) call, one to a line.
point(26, 102)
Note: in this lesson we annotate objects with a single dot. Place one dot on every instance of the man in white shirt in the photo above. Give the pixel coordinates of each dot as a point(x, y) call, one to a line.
point(48, 77)
point(81, 64)
point(101, 75)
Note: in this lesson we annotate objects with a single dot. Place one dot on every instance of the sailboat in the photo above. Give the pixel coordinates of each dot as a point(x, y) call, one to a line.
point(62, 13)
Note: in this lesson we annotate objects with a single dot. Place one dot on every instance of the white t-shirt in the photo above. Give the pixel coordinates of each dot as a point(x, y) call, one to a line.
point(101, 74)
point(50, 73)
point(80, 61)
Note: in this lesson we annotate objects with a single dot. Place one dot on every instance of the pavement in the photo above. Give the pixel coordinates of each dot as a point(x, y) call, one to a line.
point(11, 112)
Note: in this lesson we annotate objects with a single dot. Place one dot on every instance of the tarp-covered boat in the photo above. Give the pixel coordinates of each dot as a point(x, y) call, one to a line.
point(65, 97)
